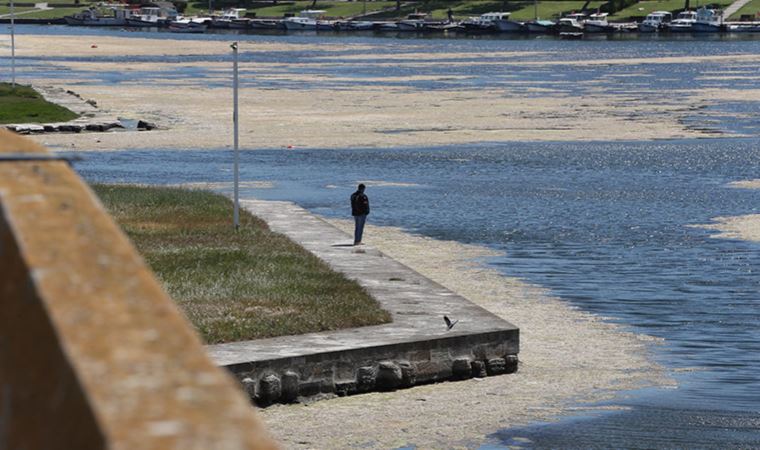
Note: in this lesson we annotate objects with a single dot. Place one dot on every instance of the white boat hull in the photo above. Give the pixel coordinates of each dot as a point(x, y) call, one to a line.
point(705, 28)
point(508, 26)
point(300, 26)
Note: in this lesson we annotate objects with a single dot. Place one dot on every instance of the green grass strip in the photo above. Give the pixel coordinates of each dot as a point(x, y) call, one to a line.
point(234, 286)
point(23, 104)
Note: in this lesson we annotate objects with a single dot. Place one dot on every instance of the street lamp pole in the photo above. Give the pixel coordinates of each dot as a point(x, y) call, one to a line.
point(13, 48)
point(236, 212)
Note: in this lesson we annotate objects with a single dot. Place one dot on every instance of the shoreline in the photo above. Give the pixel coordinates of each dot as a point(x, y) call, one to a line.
point(337, 112)
point(605, 360)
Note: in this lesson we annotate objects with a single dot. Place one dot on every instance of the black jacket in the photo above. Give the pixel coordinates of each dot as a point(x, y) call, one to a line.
point(359, 204)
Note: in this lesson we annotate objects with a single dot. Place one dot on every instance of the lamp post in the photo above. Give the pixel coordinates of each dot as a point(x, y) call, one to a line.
point(13, 48)
point(236, 211)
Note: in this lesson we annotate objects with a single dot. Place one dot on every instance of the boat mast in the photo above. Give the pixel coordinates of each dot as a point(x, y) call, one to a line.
point(535, 9)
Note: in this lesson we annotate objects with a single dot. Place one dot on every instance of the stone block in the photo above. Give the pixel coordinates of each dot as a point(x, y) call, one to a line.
point(408, 374)
point(511, 363)
point(496, 366)
point(95, 127)
point(343, 388)
point(388, 376)
point(327, 386)
point(270, 389)
point(365, 379)
point(249, 387)
point(309, 388)
point(289, 386)
point(70, 127)
point(461, 369)
point(479, 369)
point(143, 125)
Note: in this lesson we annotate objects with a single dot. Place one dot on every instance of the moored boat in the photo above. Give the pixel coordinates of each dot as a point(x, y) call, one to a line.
point(493, 22)
point(540, 26)
point(226, 19)
point(267, 24)
point(93, 17)
point(353, 25)
point(655, 21)
point(413, 22)
point(185, 25)
point(573, 23)
point(150, 16)
point(306, 20)
point(682, 23)
point(708, 21)
point(597, 23)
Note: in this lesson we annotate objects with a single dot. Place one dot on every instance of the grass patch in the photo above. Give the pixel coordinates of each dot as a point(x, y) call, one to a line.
point(332, 8)
point(234, 286)
point(23, 104)
point(521, 10)
point(752, 9)
point(641, 9)
point(54, 13)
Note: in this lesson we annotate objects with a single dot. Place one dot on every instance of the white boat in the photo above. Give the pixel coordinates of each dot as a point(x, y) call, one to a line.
point(708, 21)
point(227, 17)
point(187, 25)
point(267, 24)
point(306, 20)
point(353, 25)
point(573, 23)
point(655, 21)
point(597, 23)
point(748, 27)
point(413, 22)
point(93, 17)
point(541, 26)
point(683, 22)
point(150, 16)
point(492, 22)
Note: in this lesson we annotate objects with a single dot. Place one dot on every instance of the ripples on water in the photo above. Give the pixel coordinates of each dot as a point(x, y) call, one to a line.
point(603, 225)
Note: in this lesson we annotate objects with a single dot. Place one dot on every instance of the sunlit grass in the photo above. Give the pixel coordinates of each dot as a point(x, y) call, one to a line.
point(22, 104)
point(234, 286)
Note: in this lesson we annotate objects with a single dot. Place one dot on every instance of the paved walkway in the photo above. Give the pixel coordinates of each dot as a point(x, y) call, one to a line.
point(735, 6)
point(416, 303)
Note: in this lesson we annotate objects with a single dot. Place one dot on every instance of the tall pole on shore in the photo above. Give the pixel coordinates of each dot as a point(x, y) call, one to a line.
point(13, 48)
point(236, 211)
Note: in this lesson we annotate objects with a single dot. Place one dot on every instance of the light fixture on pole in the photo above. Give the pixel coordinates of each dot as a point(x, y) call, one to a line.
point(236, 211)
point(13, 48)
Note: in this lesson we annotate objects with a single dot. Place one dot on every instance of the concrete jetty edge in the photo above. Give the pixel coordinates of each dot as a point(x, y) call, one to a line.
point(415, 348)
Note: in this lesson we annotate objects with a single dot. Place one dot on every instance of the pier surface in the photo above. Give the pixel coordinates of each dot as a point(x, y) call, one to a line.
point(417, 336)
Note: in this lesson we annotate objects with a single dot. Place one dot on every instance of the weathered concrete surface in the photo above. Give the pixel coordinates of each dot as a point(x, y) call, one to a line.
point(93, 354)
point(417, 336)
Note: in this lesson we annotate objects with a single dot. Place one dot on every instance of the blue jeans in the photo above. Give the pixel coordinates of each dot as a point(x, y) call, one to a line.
point(359, 227)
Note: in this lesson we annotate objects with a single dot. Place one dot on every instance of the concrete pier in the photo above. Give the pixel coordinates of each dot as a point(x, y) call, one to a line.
point(417, 347)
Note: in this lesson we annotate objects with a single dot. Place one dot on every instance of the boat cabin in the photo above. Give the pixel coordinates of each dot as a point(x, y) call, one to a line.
point(659, 17)
point(494, 16)
point(312, 13)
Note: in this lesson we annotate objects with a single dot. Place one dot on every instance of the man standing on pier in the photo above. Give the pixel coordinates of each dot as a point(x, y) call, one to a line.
point(360, 211)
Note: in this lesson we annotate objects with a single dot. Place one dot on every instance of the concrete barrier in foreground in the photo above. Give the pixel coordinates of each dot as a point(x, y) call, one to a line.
point(93, 354)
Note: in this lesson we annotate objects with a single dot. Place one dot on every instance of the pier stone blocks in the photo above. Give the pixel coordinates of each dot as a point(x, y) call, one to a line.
point(415, 348)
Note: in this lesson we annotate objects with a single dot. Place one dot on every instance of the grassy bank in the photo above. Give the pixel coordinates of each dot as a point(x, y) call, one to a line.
point(641, 9)
point(234, 285)
point(22, 104)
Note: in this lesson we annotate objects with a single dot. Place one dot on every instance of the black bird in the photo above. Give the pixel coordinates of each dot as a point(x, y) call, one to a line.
point(449, 323)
